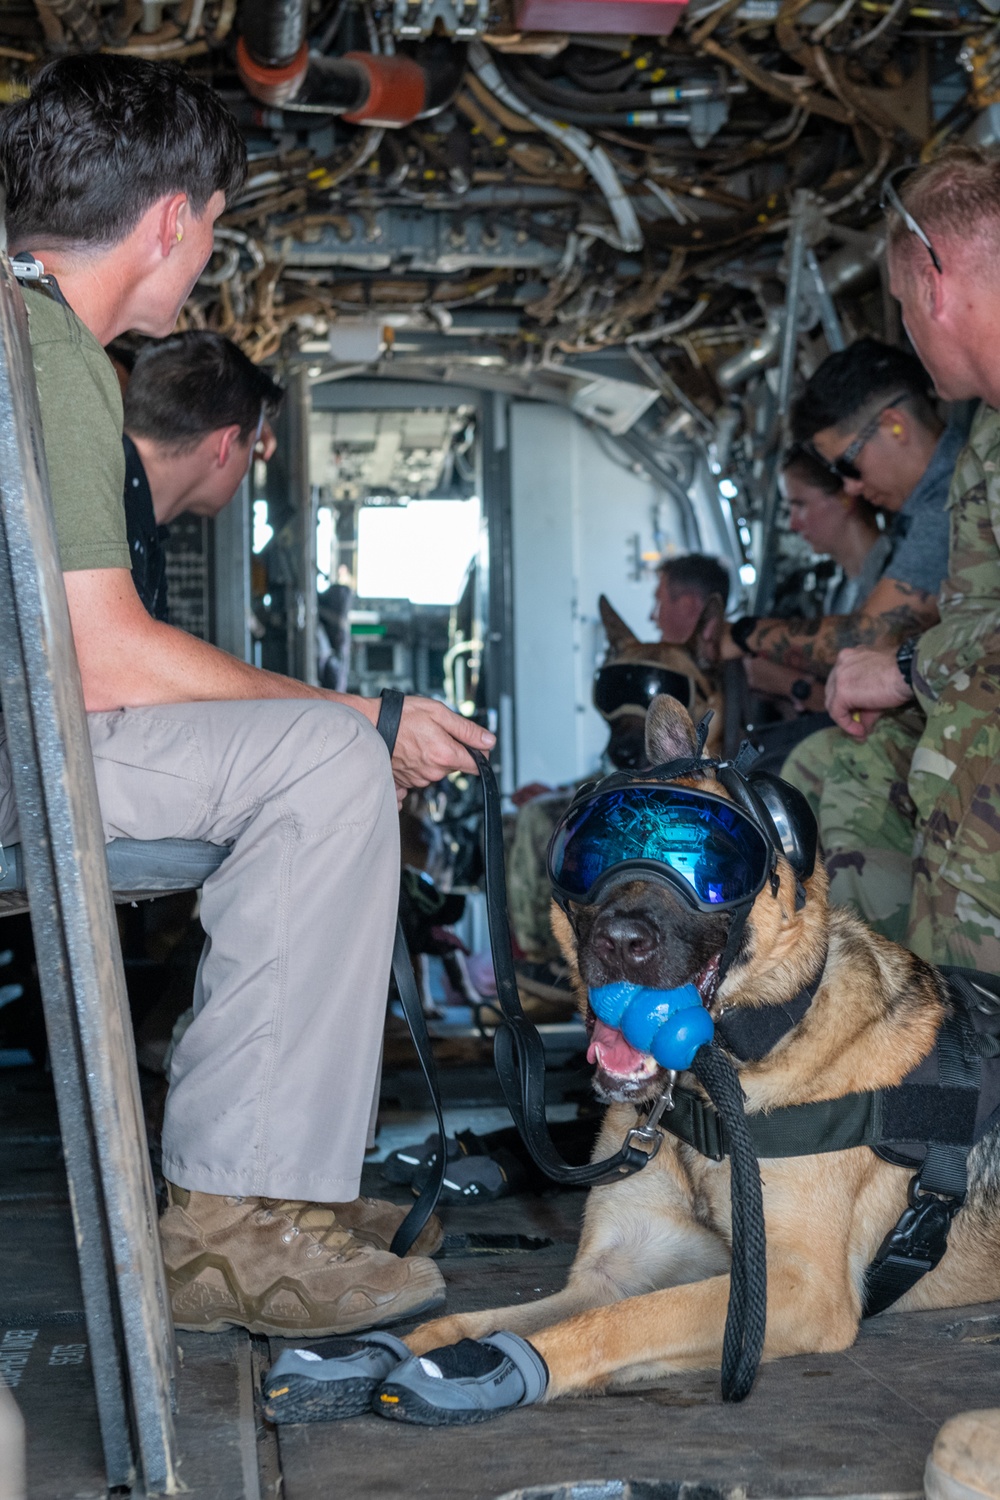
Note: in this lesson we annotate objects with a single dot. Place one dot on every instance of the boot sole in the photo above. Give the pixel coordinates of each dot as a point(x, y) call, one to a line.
point(401, 1405)
point(358, 1324)
point(304, 1400)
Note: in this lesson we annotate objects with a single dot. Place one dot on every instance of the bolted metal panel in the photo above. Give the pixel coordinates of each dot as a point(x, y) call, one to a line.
point(79, 959)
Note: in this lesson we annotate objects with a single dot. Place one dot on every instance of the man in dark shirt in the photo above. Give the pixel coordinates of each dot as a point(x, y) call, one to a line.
point(196, 413)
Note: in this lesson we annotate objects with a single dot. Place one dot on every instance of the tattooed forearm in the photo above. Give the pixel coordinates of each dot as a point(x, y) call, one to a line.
point(812, 645)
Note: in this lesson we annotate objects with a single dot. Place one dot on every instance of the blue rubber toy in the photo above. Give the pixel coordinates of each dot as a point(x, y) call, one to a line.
point(669, 1025)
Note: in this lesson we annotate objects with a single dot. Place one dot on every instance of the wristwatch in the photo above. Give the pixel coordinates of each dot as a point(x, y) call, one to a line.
point(904, 659)
point(741, 630)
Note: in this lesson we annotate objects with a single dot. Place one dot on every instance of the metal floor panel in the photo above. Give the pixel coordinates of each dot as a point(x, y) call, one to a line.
point(845, 1425)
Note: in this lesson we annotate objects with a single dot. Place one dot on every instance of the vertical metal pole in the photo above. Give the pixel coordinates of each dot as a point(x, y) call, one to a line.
point(786, 374)
point(231, 572)
point(827, 311)
point(796, 257)
point(302, 497)
point(494, 471)
point(80, 967)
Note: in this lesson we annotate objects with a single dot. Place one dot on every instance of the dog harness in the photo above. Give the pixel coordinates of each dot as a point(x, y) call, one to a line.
point(929, 1122)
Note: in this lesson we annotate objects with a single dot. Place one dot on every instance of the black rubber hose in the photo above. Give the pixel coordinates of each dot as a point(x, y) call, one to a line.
point(746, 1318)
point(444, 62)
point(579, 99)
point(273, 30)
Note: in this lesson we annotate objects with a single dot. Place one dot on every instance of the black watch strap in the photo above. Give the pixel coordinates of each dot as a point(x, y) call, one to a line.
point(741, 631)
point(905, 653)
point(389, 716)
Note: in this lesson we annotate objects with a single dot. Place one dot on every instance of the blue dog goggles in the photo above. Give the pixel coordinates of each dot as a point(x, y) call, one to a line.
point(702, 845)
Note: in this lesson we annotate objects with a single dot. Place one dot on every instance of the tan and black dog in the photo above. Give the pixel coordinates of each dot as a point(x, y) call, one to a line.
point(648, 1292)
point(697, 660)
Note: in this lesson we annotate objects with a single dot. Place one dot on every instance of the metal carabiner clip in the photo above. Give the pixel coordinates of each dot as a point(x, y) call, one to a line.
point(649, 1137)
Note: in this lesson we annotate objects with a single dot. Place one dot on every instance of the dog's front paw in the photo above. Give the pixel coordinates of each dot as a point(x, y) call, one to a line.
point(442, 1331)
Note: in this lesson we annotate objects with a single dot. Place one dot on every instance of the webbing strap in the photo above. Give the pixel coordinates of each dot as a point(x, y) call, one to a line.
point(390, 714)
point(797, 1130)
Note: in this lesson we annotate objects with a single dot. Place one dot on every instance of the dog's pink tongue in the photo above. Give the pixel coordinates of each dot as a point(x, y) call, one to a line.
point(609, 1049)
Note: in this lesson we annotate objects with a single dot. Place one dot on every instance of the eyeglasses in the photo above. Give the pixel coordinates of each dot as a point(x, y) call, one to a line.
point(702, 845)
point(844, 465)
point(890, 200)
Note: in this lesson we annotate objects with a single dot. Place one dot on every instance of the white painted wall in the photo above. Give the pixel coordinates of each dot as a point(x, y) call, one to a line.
point(576, 514)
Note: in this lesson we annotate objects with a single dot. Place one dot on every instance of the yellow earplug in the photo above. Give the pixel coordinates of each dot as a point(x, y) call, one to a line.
point(896, 427)
point(180, 236)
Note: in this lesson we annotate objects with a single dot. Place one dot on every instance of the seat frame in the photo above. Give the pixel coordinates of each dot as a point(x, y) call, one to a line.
point(80, 969)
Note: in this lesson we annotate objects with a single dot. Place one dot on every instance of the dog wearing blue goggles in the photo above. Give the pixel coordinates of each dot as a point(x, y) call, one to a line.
point(656, 875)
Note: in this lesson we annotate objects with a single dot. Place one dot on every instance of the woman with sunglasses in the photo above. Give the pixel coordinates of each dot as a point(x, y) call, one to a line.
point(866, 417)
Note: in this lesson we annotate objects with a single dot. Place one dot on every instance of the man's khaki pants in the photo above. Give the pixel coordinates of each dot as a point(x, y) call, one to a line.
point(271, 1086)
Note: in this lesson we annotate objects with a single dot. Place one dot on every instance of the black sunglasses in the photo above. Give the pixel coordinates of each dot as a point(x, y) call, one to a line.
point(844, 465)
point(890, 201)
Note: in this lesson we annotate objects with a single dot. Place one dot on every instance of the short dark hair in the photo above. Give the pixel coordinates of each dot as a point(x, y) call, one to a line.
point(190, 384)
point(101, 138)
point(849, 386)
point(696, 573)
point(798, 460)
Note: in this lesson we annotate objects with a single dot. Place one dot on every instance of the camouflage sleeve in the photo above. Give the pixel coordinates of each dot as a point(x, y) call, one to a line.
point(974, 507)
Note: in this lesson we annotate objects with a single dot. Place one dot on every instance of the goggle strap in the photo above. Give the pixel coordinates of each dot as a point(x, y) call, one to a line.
point(734, 938)
point(702, 731)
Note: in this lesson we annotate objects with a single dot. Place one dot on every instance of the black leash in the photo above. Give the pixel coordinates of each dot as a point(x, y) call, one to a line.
point(520, 1064)
point(519, 1057)
point(746, 1316)
point(390, 714)
point(518, 1052)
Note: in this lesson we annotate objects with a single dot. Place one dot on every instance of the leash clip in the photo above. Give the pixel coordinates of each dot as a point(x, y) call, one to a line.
point(649, 1137)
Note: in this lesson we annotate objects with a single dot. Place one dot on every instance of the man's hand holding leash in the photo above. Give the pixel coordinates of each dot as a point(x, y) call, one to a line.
point(431, 741)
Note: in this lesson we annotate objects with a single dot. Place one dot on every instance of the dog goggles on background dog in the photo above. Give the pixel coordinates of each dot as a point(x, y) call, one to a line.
point(704, 846)
point(631, 686)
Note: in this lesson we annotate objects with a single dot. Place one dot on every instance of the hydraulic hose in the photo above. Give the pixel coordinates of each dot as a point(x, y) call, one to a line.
point(594, 158)
point(364, 88)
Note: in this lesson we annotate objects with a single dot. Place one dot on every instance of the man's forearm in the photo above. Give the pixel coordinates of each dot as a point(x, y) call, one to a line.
point(137, 662)
point(813, 645)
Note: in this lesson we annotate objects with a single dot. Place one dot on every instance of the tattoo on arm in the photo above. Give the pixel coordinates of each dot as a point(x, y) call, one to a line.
point(812, 645)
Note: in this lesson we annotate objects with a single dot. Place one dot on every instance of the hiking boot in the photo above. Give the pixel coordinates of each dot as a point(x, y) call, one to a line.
point(374, 1222)
point(965, 1461)
point(283, 1268)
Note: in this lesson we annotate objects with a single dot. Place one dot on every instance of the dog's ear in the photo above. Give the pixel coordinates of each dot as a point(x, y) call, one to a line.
point(670, 734)
point(620, 638)
point(707, 634)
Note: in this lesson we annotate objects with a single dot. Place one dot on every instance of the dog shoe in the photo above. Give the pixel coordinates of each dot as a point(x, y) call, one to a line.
point(472, 1179)
point(332, 1379)
point(470, 1381)
point(409, 1161)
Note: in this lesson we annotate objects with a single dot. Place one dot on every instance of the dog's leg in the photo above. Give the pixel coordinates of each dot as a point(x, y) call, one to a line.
point(682, 1328)
point(637, 1235)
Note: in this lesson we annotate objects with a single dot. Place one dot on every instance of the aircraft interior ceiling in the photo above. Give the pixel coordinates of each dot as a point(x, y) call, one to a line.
point(659, 214)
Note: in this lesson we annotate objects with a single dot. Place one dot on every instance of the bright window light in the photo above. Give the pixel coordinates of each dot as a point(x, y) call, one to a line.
point(263, 531)
point(419, 551)
point(325, 540)
point(748, 574)
point(727, 489)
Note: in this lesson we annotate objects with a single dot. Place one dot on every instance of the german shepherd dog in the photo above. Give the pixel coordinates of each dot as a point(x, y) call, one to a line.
point(697, 660)
point(648, 1291)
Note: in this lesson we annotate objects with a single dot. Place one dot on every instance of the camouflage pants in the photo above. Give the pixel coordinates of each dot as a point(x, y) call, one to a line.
point(529, 895)
point(858, 791)
point(910, 819)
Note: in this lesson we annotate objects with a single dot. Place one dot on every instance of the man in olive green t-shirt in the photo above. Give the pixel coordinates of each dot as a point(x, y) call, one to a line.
point(115, 170)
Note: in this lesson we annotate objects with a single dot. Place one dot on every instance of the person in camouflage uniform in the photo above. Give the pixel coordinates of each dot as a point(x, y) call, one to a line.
point(952, 800)
point(859, 794)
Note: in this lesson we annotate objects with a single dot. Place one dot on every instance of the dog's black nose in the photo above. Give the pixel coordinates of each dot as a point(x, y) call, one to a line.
point(623, 941)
